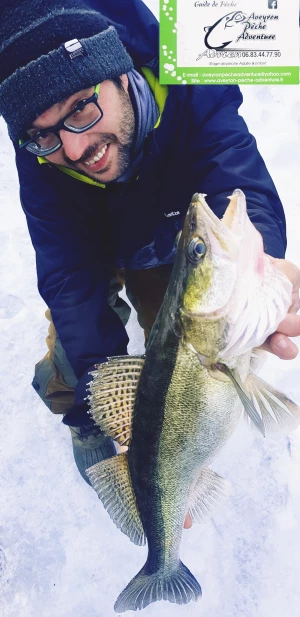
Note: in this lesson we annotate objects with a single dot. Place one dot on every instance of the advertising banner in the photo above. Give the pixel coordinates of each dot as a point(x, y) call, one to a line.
point(229, 42)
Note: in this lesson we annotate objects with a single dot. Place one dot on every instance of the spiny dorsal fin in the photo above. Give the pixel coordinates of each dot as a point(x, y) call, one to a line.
point(277, 411)
point(209, 490)
point(112, 483)
point(112, 395)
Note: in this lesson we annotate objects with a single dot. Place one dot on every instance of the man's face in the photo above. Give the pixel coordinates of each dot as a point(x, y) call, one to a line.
point(110, 140)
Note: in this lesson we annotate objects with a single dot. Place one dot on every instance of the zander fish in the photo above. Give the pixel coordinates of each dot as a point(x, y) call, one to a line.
point(177, 406)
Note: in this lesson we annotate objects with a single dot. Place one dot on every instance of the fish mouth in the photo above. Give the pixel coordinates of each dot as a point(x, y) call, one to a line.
point(233, 218)
point(222, 236)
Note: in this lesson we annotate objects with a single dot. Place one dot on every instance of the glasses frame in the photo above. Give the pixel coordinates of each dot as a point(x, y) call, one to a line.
point(61, 126)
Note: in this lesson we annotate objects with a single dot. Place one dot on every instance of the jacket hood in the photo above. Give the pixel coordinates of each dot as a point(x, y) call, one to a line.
point(137, 28)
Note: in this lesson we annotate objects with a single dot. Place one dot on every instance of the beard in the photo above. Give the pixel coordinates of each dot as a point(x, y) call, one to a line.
point(123, 139)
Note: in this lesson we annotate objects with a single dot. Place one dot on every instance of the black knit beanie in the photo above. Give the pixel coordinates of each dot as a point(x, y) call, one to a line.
point(38, 70)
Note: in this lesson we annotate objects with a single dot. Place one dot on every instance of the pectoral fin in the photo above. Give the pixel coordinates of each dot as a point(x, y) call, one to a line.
point(249, 407)
point(257, 360)
point(277, 411)
point(209, 490)
point(112, 483)
point(112, 395)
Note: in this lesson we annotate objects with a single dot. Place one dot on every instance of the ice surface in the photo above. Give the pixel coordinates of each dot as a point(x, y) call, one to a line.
point(60, 554)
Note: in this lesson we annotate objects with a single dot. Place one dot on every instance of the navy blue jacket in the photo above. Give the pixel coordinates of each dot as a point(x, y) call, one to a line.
point(80, 231)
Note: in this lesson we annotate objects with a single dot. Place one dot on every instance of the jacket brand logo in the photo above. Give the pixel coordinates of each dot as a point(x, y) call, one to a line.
point(171, 214)
point(74, 48)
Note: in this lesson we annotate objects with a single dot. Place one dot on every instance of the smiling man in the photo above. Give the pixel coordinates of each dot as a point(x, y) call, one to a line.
point(108, 161)
point(101, 152)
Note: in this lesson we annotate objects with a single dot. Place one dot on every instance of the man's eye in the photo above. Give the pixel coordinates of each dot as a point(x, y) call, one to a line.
point(79, 105)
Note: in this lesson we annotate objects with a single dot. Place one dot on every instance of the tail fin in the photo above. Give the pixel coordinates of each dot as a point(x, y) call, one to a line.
point(179, 586)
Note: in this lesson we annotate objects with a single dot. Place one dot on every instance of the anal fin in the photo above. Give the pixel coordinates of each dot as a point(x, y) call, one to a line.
point(209, 490)
point(112, 483)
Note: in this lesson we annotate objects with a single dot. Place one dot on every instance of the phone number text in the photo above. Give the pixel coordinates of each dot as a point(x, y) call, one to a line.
point(247, 54)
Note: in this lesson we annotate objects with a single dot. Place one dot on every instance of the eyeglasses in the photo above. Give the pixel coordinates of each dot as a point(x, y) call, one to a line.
point(82, 117)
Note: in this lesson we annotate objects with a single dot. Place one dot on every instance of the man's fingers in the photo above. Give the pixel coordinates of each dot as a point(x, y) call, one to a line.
point(279, 343)
point(290, 326)
point(289, 269)
point(295, 303)
point(281, 346)
point(293, 274)
point(188, 522)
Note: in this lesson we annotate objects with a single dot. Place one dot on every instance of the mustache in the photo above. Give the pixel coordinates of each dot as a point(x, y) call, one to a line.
point(91, 151)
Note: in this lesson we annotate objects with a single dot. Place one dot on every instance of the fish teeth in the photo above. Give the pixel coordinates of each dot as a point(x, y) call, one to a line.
point(98, 156)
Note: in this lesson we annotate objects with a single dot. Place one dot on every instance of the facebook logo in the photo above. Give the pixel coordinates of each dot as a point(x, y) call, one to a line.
point(272, 4)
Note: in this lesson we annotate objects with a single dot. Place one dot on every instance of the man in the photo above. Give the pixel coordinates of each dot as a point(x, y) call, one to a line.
point(108, 161)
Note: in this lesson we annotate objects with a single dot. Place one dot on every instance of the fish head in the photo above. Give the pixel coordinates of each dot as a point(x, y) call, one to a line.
point(232, 297)
point(237, 17)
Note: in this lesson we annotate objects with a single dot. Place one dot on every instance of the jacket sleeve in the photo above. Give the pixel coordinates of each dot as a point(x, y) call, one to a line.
point(223, 156)
point(73, 280)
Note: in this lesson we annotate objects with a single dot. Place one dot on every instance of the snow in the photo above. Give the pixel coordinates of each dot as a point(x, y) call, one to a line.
point(60, 554)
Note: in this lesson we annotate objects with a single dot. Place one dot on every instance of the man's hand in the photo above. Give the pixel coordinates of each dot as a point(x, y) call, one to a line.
point(188, 522)
point(279, 342)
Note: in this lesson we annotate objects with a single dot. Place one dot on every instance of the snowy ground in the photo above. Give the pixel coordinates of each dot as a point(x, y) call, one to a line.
point(60, 554)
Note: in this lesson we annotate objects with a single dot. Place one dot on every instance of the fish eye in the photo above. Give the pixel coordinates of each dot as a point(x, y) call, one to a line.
point(196, 249)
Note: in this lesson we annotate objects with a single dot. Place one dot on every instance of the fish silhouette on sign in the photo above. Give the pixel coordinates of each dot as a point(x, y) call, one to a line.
point(225, 31)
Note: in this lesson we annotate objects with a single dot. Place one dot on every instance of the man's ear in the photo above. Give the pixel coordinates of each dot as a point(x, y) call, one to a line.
point(124, 80)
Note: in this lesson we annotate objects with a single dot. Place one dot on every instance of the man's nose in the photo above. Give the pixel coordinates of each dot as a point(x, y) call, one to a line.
point(74, 144)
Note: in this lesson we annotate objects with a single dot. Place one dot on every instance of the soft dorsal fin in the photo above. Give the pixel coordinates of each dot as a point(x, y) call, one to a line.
point(112, 483)
point(112, 395)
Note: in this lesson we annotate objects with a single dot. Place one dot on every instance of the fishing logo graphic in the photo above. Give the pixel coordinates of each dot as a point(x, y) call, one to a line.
point(225, 31)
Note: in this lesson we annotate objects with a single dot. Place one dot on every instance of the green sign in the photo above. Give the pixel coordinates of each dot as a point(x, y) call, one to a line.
point(229, 42)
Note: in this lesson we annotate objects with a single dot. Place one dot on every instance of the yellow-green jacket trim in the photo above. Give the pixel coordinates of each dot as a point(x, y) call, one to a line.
point(160, 92)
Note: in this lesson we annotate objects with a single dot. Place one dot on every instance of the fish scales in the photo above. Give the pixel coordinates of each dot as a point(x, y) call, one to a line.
point(224, 298)
point(192, 432)
point(143, 458)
